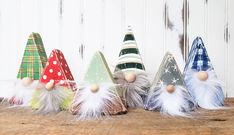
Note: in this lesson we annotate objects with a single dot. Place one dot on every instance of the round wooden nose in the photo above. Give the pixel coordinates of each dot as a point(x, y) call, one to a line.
point(26, 81)
point(49, 86)
point(170, 88)
point(130, 77)
point(94, 88)
point(202, 75)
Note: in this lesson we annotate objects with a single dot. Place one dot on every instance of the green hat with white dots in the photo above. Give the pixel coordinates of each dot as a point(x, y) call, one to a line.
point(129, 56)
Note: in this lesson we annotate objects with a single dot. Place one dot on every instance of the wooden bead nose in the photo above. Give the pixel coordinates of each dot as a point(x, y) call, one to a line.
point(49, 86)
point(130, 77)
point(202, 75)
point(170, 88)
point(26, 81)
point(94, 88)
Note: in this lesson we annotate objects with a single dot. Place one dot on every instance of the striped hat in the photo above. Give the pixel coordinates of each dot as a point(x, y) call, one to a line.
point(198, 57)
point(34, 58)
point(129, 56)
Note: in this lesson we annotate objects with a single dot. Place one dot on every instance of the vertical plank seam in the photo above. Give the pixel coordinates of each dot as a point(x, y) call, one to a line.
point(165, 29)
point(145, 43)
point(60, 25)
point(226, 52)
point(82, 44)
point(185, 12)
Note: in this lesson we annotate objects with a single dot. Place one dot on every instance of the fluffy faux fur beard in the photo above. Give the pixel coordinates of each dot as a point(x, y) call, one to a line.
point(178, 103)
point(22, 94)
point(208, 94)
point(89, 105)
point(134, 93)
point(52, 101)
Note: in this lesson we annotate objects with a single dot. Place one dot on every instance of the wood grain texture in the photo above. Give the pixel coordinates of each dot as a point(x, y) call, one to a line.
point(135, 122)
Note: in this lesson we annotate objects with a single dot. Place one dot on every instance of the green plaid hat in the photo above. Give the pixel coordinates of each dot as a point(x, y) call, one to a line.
point(34, 59)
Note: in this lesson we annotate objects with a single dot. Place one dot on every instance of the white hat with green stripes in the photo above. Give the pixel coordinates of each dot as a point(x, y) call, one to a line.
point(129, 56)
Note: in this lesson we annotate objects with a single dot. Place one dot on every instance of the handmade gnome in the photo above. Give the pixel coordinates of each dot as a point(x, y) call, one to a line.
point(201, 79)
point(130, 73)
point(33, 62)
point(55, 91)
point(99, 95)
point(168, 93)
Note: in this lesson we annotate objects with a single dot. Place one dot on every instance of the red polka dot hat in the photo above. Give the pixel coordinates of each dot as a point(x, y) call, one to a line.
point(57, 71)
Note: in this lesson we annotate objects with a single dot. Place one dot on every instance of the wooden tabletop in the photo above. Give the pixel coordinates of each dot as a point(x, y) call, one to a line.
point(23, 121)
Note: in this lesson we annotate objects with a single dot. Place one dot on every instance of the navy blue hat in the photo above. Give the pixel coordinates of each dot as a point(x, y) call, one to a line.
point(198, 58)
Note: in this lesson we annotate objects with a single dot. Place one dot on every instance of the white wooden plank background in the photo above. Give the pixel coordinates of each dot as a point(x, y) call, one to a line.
point(81, 27)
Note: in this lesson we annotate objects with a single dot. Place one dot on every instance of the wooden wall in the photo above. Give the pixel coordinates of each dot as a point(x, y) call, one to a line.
point(80, 27)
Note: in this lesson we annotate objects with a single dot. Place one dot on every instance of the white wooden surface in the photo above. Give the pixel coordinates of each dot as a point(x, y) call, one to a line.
point(80, 27)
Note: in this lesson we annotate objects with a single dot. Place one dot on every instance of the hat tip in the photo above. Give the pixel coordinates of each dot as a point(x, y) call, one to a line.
point(169, 54)
point(199, 40)
point(129, 28)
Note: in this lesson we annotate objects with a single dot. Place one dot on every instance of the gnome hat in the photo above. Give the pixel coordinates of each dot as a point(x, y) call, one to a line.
point(32, 65)
point(200, 72)
point(57, 71)
point(169, 72)
point(100, 94)
point(168, 93)
point(198, 57)
point(98, 71)
point(129, 56)
point(34, 59)
point(57, 93)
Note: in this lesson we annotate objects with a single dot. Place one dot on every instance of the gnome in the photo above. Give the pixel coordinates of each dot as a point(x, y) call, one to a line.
point(33, 62)
point(201, 79)
point(130, 73)
point(99, 95)
point(55, 91)
point(168, 93)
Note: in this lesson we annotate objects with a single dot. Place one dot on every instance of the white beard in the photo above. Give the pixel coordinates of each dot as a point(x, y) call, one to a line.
point(178, 103)
point(89, 105)
point(23, 94)
point(208, 94)
point(133, 93)
point(51, 101)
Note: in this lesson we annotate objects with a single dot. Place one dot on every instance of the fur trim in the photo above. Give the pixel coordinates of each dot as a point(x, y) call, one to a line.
point(134, 93)
point(22, 94)
point(55, 100)
point(208, 94)
point(89, 105)
point(178, 103)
